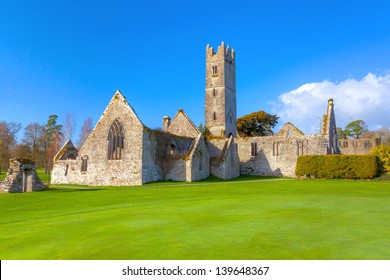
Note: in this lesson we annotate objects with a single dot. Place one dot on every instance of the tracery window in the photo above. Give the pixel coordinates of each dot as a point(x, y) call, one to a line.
point(275, 149)
point(253, 149)
point(116, 141)
point(84, 164)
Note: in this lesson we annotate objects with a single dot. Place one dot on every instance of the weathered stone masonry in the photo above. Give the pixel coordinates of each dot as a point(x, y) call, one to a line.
point(122, 151)
point(21, 177)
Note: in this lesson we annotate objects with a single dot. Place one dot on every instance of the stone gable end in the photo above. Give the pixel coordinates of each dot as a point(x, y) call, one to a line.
point(182, 125)
point(93, 165)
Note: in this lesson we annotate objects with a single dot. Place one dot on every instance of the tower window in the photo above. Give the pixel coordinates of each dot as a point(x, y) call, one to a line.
point(215, 70)
point(116, 140)
point(214, 92)
point(214, 116)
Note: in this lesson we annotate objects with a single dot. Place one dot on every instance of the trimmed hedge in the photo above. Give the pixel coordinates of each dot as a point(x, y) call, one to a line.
point(338, 166)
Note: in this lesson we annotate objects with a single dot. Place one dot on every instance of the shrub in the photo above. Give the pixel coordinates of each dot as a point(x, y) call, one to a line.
point(337, 166)
point(383, 154)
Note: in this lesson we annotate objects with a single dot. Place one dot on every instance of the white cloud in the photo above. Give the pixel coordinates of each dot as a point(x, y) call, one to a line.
point(367, 99)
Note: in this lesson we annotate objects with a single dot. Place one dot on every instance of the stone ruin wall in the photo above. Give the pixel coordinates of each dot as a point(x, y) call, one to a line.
point(21, 177)
point(359, 146)
point(188, 161)
point(158, 161)
point(277, 155)
point(224, 159)
point(101, 171)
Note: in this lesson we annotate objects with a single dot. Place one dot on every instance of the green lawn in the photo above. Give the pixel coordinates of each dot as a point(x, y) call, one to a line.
point(249, 218)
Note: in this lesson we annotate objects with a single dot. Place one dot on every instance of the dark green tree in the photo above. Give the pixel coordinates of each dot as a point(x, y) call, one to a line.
point(355, 129)
point(201, 128)
point(53, 138)
point(256, 124)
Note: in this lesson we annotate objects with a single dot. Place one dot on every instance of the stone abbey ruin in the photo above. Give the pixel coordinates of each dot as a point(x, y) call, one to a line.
point(21, 177)
point(122, 151)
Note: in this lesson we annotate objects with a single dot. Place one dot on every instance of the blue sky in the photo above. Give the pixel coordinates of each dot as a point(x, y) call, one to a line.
point(59, 57)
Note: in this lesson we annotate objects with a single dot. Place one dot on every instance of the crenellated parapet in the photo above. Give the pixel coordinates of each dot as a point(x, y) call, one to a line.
point(224, 52)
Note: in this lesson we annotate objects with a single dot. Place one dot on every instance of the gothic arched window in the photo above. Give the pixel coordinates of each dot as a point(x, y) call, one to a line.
point(116, 141)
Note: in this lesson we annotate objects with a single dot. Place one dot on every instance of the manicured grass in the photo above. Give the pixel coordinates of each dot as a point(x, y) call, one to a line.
point(249, 219)
point(44, 177)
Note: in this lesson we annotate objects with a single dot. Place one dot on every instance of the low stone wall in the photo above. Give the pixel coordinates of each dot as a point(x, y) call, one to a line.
point(21, 177)
point(277, 155)
point(361, 146)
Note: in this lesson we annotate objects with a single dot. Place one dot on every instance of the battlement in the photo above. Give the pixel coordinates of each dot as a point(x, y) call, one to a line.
point(222, 52)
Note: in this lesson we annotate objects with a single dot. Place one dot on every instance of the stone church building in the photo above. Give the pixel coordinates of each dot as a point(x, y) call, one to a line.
point(122, 151)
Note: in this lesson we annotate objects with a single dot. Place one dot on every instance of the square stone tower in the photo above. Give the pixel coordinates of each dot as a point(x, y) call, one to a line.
point(220, 95)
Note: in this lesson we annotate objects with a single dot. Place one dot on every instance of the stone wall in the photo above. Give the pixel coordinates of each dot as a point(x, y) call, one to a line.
point(198, 160)
point(225, 162)
point(359, 146)
point(21, 177)
point(277, 155)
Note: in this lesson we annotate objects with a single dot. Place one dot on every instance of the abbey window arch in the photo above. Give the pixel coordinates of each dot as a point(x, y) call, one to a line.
point(116, 141)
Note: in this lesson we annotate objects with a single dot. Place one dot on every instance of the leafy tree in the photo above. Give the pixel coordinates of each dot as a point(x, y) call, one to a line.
point(52, 128)
point(355, 129)
point(341, 133)
point(86, 129)
point(383, 154)
point(256, 124)
point(53, 138)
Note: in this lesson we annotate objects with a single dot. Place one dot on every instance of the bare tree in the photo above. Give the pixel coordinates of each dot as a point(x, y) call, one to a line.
point(33, 138)
point(21, 151)
point(86, 129)
point(382, 133)
point(69, 126)
point(8, 131)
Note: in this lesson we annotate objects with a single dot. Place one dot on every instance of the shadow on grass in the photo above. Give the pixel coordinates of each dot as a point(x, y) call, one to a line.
point(213, 179)
point(383, 177)
point(71, 188)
